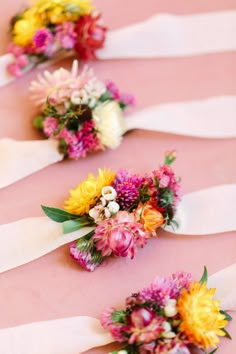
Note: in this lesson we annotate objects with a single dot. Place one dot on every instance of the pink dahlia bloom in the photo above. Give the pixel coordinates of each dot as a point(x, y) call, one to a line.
point(42, 38)
point(50, 126)
point(120, 235)
point(83, 258)
point(65, 34)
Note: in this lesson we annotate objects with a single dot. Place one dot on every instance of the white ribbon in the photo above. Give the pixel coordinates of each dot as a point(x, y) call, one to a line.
point(166, 35)
point(210, 118)
point(77, 334)
point(163, 35)
point(28, 239)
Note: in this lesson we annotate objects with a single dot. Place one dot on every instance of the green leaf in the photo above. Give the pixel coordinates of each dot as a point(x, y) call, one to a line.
point(74, 225)
point(105, 97)
point(227, 335)
point(85, 243)
point(204, 277)
point(213, 351)
point(96, 257)
point(58, 215)
point(38, 122)
point(119, 316)
point(227, 316)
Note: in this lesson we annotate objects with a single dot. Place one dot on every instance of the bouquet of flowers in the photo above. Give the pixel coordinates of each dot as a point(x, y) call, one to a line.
point(81, 112)
point(171, 316)
point(52, 27)
point(123, 210)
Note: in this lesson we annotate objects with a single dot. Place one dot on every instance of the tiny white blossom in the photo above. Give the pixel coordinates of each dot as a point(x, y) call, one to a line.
point(170, 309)
point(94, 213)
point(113, 207)
point(76, 97)
point(107, 213)
point(109, 193)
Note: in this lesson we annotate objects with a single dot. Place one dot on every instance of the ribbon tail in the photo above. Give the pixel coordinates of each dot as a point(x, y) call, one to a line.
point(62, 336)
point(19, 159)
point(166, 35)
point(224, 282)
point(208, 211)
point(28, 239)
point(210, 118)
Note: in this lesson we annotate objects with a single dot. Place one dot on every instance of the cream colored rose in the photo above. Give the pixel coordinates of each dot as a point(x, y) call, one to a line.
point(109, 123)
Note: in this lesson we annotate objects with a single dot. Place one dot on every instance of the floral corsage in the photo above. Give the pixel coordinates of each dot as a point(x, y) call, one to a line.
point(123, 210)
point(51, 28)
point(81, 112)
point(172, 316)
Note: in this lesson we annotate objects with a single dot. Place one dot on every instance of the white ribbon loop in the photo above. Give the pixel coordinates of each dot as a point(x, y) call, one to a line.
point(19, 159)
point(63, 336)
point(166, 35)
point(199, 214)
point(213, 117)
point(77, 334)
point(28, 239)
point(208, 211)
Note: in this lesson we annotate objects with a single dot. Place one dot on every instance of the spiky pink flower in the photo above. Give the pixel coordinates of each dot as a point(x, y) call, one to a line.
point(65, 34)
point(158, 291)
point(42, 38)
point(127, 194)
point(83, 258)
point(50, 126)
point(180, 280)
point(120, 235)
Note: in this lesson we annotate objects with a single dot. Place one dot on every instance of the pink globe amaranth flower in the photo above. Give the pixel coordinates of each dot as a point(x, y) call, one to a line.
point(127, 194)
point(42, 38)
point(120, 235)
point(15, 49)
point(83, 258)
point(50, 126)
point(65, 34)
point(158, 291)
point(106, 319)
point(145, 326)
point(180, 280)
point(90, 36)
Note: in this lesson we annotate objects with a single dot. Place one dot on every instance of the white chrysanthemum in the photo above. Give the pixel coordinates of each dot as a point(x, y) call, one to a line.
point(109, 122)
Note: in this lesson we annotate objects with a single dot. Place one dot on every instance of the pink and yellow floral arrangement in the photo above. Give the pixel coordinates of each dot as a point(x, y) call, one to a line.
point(53, 27)
point(81, 112)
point(123, 211)
point(172, 316)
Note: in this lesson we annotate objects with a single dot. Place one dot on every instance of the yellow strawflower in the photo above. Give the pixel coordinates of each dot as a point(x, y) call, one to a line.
point(88, 192)
point(58, 11)
point(25, 28)
point(202, 321)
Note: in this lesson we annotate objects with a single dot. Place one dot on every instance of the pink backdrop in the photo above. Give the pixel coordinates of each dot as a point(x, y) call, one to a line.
point(54, 286)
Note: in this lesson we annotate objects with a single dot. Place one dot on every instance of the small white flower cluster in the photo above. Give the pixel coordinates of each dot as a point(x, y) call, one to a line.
point(90, 92)
point(107, 206)
point(170, 310)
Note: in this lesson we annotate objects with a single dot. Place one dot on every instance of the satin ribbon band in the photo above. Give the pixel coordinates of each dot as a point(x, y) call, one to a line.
point(19, 247)
point(209, 118)
point(77, 334)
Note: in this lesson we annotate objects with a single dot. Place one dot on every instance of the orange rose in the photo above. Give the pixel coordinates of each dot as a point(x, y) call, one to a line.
point(150, 217)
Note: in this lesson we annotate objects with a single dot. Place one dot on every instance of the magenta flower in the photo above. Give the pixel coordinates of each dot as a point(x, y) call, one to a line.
point(106, 319)
point(158, 291)
point(83, 258)
point(50, 126)
point(65, 34)
point(128, 99)
point(180, 280)
point(113, 89)
point(120, 235)
point(127, 194)
point(42, 38)
point(68, 136)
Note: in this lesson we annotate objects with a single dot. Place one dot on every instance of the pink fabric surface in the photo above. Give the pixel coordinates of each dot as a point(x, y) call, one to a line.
point(54, 286)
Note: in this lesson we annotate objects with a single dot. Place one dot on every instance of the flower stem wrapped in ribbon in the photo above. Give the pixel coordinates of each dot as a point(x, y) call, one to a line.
point(52, 27)
point(81, 112)
point(171, 316)
point(125, 209)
